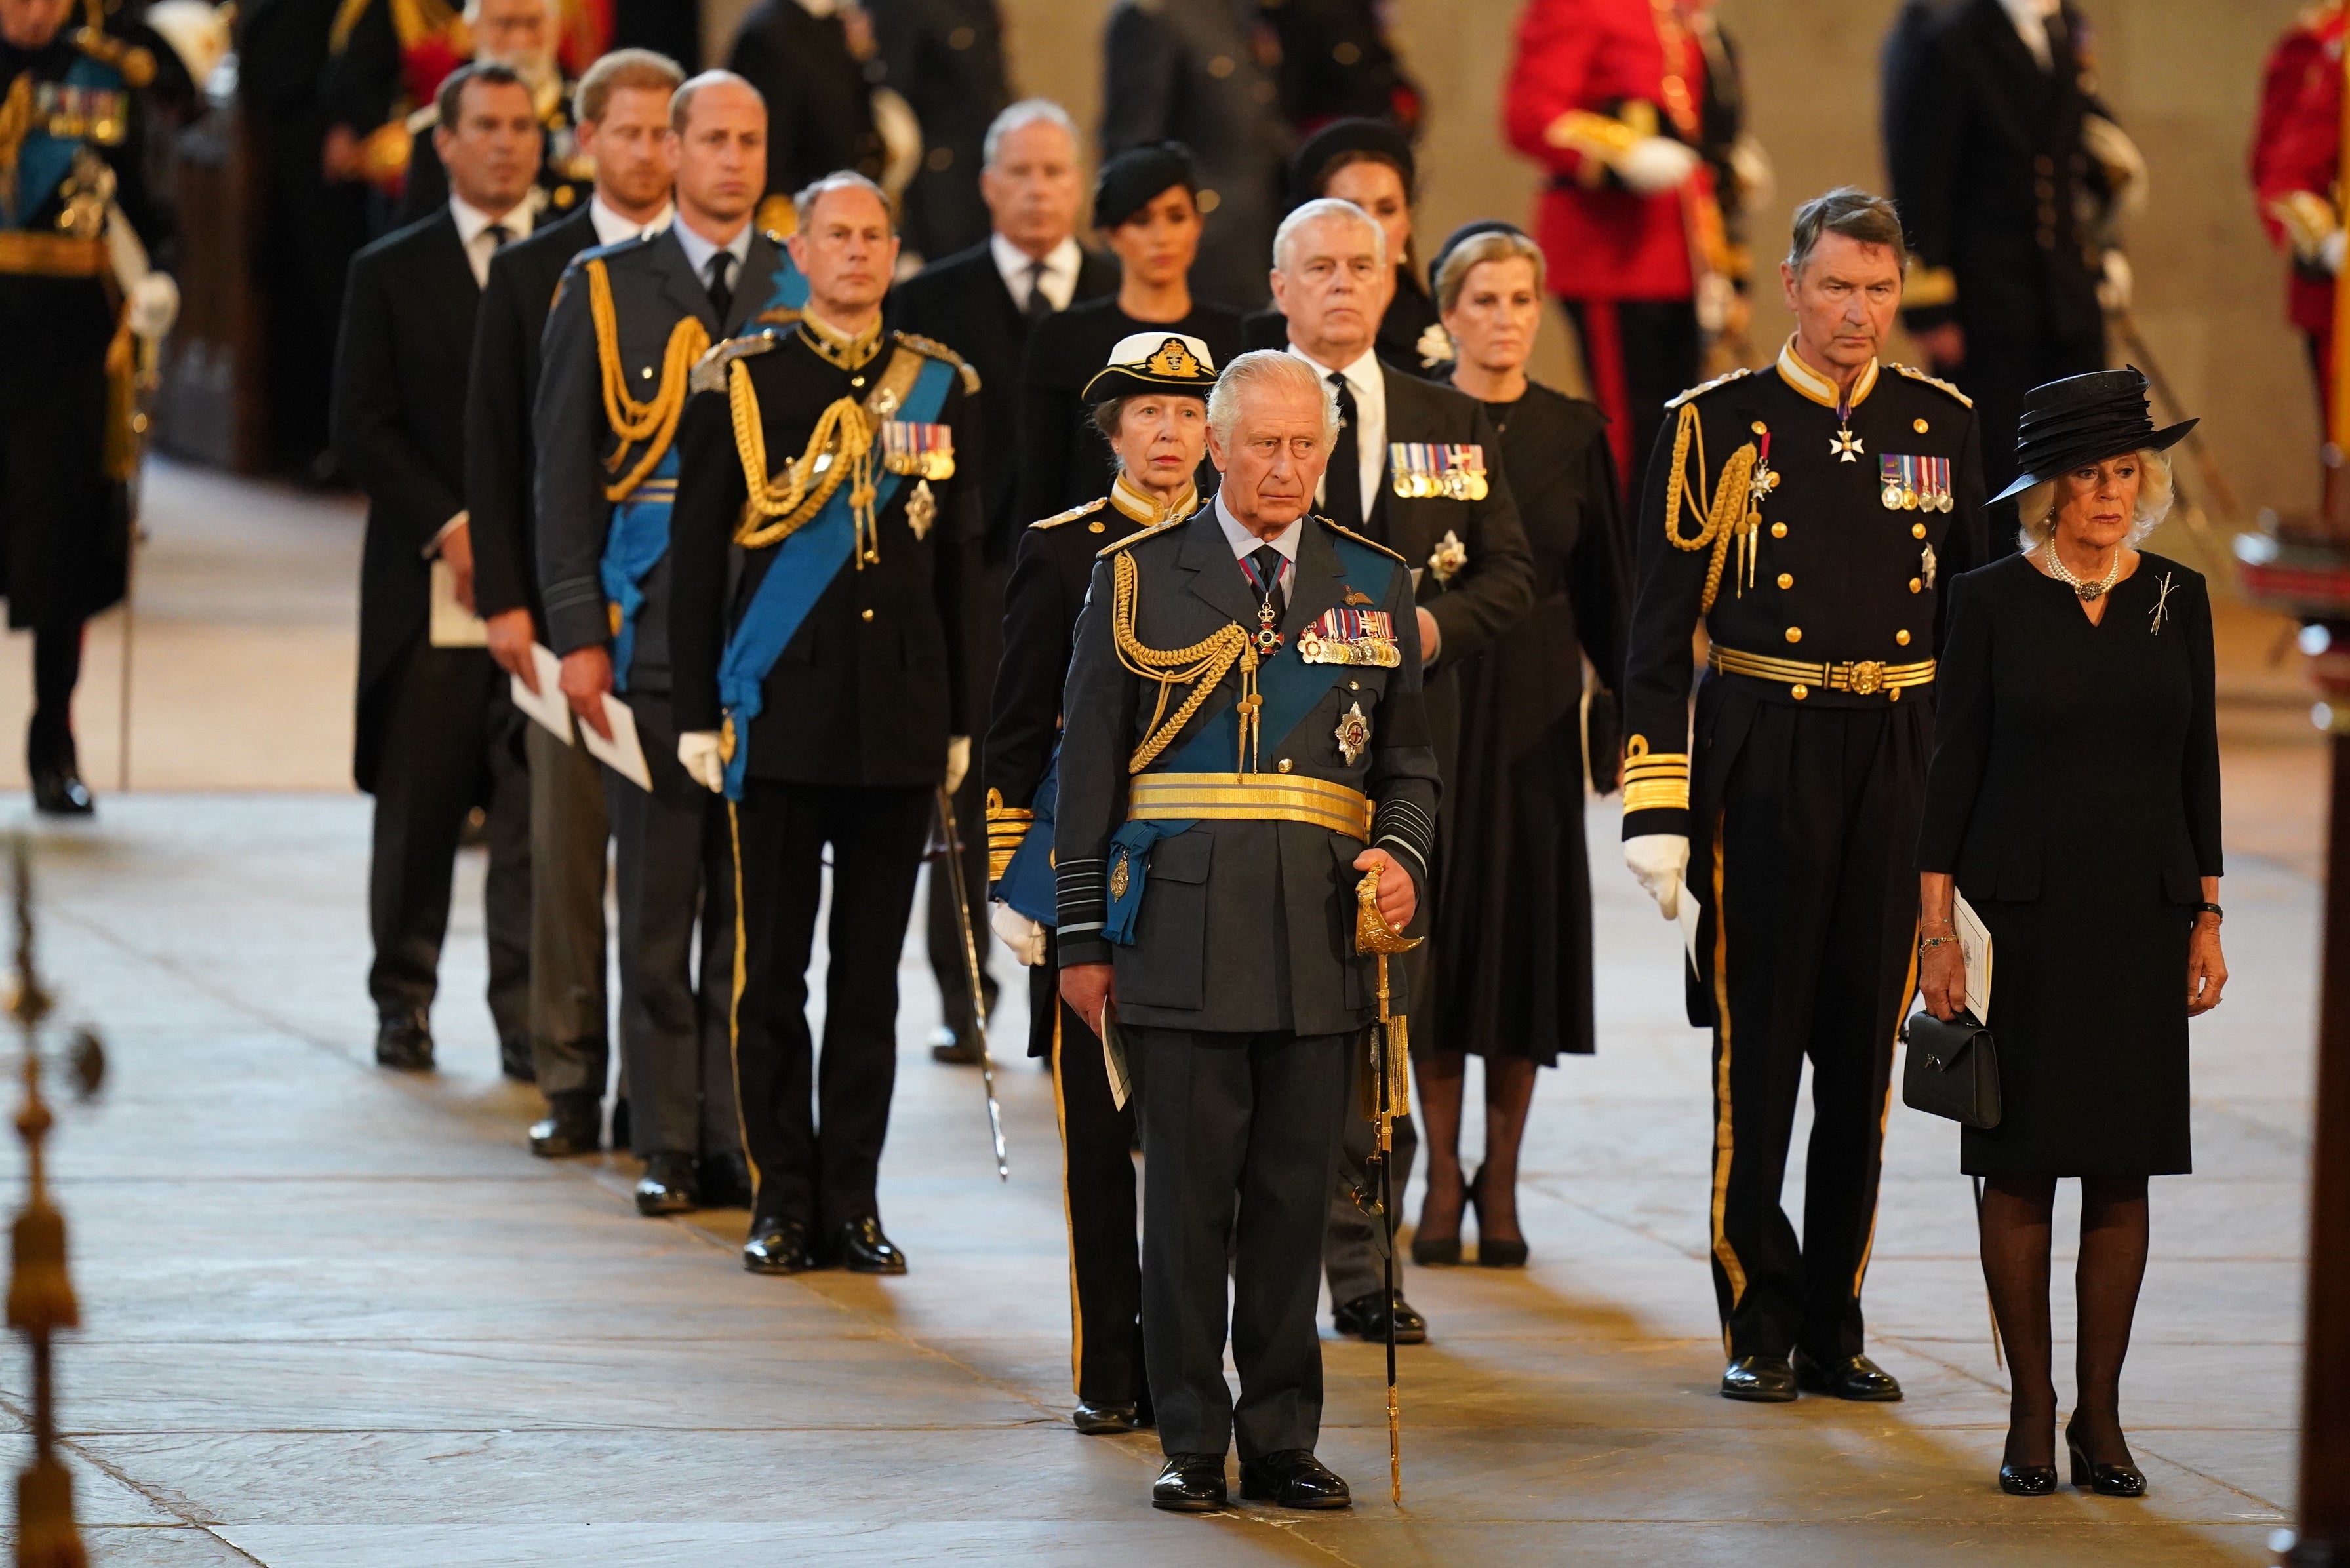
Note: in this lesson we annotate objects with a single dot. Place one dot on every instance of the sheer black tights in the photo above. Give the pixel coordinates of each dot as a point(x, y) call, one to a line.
point(1509, 1093)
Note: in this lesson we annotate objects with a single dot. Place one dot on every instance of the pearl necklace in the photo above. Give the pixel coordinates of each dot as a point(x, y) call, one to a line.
point(2089, 593)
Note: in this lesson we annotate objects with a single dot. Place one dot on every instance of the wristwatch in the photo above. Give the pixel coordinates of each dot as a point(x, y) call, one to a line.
point(2212, 910)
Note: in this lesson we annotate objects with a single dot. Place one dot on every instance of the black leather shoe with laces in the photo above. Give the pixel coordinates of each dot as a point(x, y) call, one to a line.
point(1857, 1378)
point(1189, 1483)
point(1293, 1477)
point(778, 1247)
point(404, 1040)
point(1366, 1318)
point(667, 1187)
point(860, 1248)
point(1759, 1380)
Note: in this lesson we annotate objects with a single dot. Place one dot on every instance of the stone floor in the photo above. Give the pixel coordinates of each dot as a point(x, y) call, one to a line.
point(336, 1317)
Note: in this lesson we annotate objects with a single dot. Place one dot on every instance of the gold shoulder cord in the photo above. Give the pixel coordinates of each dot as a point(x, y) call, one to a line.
point(1202, 665)
point(1730, 510)
point(648, 427)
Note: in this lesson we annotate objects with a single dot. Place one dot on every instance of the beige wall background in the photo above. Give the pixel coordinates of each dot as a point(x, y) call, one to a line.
point(2183, 76)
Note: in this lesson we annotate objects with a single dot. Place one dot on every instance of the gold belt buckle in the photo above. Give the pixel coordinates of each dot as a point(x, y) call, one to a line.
point(1865, 677)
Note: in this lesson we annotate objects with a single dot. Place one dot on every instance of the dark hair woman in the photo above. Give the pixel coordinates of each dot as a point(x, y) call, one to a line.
point(2074, 800)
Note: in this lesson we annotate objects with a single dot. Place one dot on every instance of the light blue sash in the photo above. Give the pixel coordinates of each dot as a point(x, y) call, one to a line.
point(633, 546)
point(43, 159)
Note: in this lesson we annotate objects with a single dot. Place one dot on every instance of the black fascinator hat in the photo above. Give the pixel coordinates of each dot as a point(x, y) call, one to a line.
point(2081, 420)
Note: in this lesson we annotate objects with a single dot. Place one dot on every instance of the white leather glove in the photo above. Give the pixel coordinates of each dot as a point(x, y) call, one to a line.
point(1659, 860)
point(1023, 936)
point(154, 306)
point(2116, 288)
point(2330, 249)
point(1655, 163)
point(697, 752)
point(957, 761)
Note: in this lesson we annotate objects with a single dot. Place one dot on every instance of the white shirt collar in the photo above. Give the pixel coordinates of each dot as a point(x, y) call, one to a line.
point(611, 228)
point(472, 230)
point(1060, 280)
point(2031, 19)
point(698, 250)
point(1245, 544)
point(1369, 385)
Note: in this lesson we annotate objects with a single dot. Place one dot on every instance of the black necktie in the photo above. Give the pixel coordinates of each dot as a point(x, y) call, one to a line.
point(1267, 579)
point(500, 235)
point(1342, 484)
point(722, 293)
point(1039, 306)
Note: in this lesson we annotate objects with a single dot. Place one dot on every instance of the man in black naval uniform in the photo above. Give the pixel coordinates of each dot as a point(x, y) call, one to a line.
point(1417, 469)
point(1151, 403)
point(628, 328)
point(74, 161)
point(1245, 742)
point(826, 692)
point(1808, 516)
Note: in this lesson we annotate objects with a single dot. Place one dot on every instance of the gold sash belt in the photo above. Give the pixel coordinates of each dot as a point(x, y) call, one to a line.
point(23, 252)
point(1862, 678)
point(1250, 797)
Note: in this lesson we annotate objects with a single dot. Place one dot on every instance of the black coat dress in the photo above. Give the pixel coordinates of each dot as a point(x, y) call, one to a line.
point(2076, 795)
point(1515, 934)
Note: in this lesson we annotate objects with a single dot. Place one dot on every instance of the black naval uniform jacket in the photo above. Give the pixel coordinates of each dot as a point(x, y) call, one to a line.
point(1245, 926)
point(653, 288)
point(819, 102)
point(877, 678)
point(1838, 578)
point(945, 58)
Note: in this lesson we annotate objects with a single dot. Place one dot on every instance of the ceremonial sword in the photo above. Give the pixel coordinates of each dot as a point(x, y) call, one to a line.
point(962, 887)
point(1383, 1092)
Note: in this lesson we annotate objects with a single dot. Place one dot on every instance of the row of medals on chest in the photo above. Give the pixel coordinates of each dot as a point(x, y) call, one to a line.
point(1906, 482)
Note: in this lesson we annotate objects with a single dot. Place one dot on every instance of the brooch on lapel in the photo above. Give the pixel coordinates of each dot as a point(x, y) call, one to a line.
point(912, 449)
point(1449, 557)
point(1350, 637)
point(1435, 346)
point(1353, 733)
point(2161, 606)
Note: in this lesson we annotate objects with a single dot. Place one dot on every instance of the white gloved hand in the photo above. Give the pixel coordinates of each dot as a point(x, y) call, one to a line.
point(1655, 163)
point(1023, 936)
point(154, 306)
point(2330, 249)
point(957, 761)
point(2116, 288)
point(697, 753)
point(1659, 860)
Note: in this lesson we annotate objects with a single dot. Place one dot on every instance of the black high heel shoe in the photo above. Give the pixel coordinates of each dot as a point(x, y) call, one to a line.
point(2105, 1481)
point(2027, 1480)
point(1493, 1252)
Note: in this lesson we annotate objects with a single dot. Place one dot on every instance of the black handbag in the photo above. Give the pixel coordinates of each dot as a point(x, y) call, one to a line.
point(1952, 1070)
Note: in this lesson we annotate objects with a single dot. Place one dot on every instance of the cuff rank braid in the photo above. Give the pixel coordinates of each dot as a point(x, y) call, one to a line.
point(1654, 780)
point(1006, 827)
point(1400, 826)
point(1082, 897)
point(645, 430)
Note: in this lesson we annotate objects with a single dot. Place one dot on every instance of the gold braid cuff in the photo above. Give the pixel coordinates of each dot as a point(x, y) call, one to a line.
point(1729, 511)
point(1202, 665)
point(1006, 827)
point(1655, 781)
point(648, 427)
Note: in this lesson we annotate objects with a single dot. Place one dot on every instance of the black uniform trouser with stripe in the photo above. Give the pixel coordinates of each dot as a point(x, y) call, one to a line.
point(1810, 886)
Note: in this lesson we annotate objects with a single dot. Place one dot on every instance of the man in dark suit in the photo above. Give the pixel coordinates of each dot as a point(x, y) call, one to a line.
point(623, 108)
point(808, 62)
point(1996, 142)
point(982, 302)
point(945, 58)
point(626, 333)
point(1416, 469)
point(436, 733)
point(827, 695)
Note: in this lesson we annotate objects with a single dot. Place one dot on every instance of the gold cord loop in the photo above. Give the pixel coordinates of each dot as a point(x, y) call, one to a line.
point(650, 427)
point(1202, 665)
point(1730, 511)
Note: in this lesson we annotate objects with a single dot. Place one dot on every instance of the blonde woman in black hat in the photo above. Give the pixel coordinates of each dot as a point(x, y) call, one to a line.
point(1147, 211)
point(2075, 801)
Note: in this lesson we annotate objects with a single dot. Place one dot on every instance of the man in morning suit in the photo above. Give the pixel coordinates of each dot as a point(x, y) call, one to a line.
point(437, 735)
point(632, 322)
point(982, 302)
point(1414, 469)
point(623, 113)
point(821, 683)
point(1245, 741)
point(1807, 515)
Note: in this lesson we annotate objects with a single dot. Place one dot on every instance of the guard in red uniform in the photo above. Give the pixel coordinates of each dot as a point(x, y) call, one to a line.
point(2296, 149)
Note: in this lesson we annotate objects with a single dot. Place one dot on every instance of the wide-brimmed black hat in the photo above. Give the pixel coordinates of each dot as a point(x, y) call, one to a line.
point(1154, 361)
point(1335, 141)
point(1462, 235)
point(1139, 176)
point(2084, 420)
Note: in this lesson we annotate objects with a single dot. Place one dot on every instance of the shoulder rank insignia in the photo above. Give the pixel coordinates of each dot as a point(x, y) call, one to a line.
point(1915, 374)
point(1704, 387)
point(136, 64)
point(1072, 514)
point(1139, 535)
point(1350, 637)
point(1358, 538)
point(710, 371)
point(938, 350)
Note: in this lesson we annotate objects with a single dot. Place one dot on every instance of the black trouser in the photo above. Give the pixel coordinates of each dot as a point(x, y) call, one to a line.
point(451, 741)
point(57, 670)
point(1097, 1190)
point(1810, 869)
point(569, 1015)
point(1635, 354)
point(1999, 371)
point(1240, 1133)
point(949, 963)
point(814, 1133)
point(664, 842)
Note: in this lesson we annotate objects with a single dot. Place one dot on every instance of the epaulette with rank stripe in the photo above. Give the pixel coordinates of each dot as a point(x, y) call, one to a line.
point(1136, 537)
point(1071, 515)
point(1915, 374)
point(1704, 387)
point(136, 64)
point(1358, 538)
point(938, 350)
point(710, 371)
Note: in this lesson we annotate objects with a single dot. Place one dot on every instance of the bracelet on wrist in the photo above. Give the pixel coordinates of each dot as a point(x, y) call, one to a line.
point(1926, 942)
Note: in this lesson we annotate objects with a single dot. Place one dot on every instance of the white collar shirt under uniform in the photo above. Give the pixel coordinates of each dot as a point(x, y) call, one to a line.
point(697, 252)
point(473, 227)
point(1059, 279)
point(611, 228)
point(1370, 390)
point(1245, 544)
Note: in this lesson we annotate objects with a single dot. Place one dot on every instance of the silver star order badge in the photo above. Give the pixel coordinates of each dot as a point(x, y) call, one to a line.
point(1845, 446)
point(1354, 732)
point(1928, 564)
point(920, 508)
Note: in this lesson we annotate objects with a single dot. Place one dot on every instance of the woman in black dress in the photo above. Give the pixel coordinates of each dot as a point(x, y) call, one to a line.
point(1146, 210)
point(1514, 928)
point(2075, 801)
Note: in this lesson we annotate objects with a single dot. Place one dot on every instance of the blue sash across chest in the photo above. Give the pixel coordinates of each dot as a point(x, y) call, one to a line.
point(89, 99)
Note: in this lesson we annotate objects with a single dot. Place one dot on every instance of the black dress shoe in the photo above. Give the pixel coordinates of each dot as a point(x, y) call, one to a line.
point(2027, 1480)
point(1097, 1420)
point(403, 1040)
point(2124, 1479)
point(956, 1047)
point(1293, 1477)
point(1759, 1380)
point(667, 1187)
point(1366, 1317)
point(515, 1061)
point(778, 1247)
point(1189, 1483)
point(859, 1247)
point(573, 1125)
point(725, 1181)
point(57, 791)
point(1857, 1378)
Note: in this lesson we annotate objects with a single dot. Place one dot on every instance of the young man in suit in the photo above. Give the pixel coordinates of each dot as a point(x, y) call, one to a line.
point(1416, 467)
point(436, 733)
point(983, 302)
point(629, 326)
point(623, 111)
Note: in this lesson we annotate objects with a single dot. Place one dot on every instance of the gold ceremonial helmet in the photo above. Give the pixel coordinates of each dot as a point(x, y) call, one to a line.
point(1146, 362)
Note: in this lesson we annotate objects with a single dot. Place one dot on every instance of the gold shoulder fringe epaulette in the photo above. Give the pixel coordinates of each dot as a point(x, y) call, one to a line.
point(938, 350)
point(1358, 538)
point(423, 120)
point(1702, 388)
point(136, 64)
point(1915, 374)
point(1072, 514)
point(710, 371)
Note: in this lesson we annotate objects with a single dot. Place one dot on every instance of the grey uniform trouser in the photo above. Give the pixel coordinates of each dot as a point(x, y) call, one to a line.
point(568, 1031)
point(1349, 1254)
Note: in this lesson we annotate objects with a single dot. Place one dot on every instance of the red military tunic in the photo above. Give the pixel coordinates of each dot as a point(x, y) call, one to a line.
point(2296, 154)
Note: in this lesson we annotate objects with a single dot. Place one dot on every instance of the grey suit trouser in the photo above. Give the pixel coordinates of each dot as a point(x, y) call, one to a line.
point(568, 1027)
